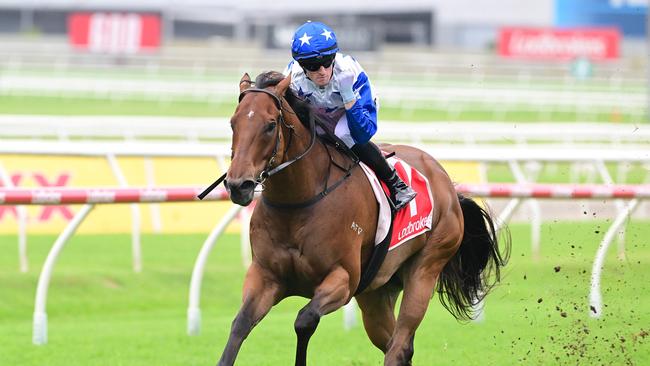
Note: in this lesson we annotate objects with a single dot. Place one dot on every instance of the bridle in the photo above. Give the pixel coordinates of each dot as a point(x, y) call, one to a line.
point(268, 170)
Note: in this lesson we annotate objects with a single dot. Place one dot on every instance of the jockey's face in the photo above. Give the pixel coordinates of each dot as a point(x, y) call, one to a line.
point(322, 76)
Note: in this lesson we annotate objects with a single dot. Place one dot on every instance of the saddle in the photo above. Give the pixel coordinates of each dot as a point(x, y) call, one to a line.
point(393, 228)
point(396, 228)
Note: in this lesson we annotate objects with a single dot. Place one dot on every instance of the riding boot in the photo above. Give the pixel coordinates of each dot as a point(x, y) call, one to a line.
point(400, 192)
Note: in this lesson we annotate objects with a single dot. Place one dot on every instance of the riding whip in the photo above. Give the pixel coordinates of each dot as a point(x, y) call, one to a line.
point(212, 186)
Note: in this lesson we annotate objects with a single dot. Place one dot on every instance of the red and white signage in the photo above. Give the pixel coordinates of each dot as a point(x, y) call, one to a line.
point(559, 44)
point(116, 33)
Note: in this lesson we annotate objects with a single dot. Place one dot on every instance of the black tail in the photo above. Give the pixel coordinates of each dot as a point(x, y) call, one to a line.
point(467, 278)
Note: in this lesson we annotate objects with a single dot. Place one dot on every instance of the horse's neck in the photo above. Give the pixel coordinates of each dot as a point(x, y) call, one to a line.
point(303, 179)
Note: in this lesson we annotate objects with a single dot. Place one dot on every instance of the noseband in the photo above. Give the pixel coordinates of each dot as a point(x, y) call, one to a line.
point(267, 172)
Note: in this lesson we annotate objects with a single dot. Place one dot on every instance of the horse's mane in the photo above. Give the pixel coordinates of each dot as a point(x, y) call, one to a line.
point(302, 108)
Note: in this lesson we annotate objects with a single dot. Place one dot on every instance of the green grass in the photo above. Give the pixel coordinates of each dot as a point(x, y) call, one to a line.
point(100, 107)
point(439, 80)
point(101, 313)
point(90, 106)
point(514, 82)
point(561, 173)
point(485, 113)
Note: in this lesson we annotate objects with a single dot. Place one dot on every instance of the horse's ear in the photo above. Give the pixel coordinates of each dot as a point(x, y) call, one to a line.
point(245, 82)
point(282, 86)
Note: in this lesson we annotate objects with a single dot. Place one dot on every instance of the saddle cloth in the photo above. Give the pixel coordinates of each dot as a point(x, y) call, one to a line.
point(411, 220)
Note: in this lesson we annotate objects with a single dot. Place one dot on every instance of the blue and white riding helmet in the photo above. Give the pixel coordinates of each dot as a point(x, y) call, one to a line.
point(313, 39)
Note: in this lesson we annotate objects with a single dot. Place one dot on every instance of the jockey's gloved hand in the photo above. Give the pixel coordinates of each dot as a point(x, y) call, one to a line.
point(346, 80)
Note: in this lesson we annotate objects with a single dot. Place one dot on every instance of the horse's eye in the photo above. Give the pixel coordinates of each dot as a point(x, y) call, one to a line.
point(270, 127)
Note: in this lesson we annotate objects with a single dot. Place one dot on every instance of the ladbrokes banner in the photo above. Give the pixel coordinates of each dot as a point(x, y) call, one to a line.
point(559, 44)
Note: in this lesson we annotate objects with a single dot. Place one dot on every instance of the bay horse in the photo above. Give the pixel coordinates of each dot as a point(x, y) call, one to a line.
point(305, 235)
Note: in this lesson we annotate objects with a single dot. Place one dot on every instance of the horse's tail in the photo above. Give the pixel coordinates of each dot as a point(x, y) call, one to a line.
point(467, 277)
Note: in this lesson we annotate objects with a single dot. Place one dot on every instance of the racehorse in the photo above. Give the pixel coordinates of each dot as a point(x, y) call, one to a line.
point(313, 231)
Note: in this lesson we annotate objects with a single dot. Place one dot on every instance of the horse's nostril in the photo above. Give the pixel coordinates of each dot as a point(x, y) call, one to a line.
point(247, 185)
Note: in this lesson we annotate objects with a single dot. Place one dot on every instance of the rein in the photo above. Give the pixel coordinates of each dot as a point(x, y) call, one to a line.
point(268, 172)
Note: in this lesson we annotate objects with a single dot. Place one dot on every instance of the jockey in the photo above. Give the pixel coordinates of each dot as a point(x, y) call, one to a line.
point(339, 90)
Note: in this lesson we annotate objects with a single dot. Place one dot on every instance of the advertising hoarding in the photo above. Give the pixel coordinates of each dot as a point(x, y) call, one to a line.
point(114, 33)
point(559, 44)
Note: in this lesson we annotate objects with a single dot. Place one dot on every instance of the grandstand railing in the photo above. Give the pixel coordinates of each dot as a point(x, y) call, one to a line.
point(455, 97)
point(55, 53)
point(446, 81)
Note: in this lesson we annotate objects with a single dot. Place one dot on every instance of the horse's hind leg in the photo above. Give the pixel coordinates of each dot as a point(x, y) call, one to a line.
point(378, 310)
point(260, 293)
point(418, 288)
point(330, 295)
point(419, 277)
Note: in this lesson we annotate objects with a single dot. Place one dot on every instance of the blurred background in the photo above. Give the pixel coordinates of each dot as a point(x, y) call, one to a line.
point(462, 75)
point(139, 93)
point(547, 60)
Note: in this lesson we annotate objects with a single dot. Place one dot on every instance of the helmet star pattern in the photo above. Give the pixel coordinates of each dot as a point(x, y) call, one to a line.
point(327, 34)
point(313, 39)
point(304, 39)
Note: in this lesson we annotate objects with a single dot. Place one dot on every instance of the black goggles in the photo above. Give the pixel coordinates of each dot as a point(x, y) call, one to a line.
point(314, 64)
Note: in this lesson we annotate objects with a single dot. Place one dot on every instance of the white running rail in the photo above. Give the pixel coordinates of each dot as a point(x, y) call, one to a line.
point(93, 196)
point(89, 198)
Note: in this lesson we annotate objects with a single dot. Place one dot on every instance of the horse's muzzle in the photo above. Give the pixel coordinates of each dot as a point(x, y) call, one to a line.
point(241, 190)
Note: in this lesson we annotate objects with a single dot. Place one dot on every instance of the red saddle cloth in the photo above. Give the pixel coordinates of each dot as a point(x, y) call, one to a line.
point(415, 218)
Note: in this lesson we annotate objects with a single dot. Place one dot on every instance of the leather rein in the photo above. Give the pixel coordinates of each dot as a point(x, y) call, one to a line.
point(269, 171)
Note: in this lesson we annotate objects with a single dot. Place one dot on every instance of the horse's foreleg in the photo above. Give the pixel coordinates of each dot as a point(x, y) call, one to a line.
point(378, 309)
point(260, 293)
point(330, 295)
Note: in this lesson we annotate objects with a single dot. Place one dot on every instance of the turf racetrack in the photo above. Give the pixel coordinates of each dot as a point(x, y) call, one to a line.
point(101, 313)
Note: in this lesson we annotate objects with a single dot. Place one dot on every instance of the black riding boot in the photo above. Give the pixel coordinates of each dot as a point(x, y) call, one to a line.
point(370, 154)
